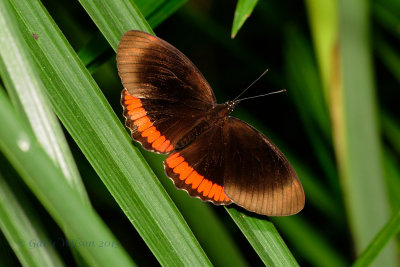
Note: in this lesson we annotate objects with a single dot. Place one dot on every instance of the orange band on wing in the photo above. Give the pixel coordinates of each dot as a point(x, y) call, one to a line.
point(143, 123)
point(136, 113)
point(133, 103)
point(183, 170)
point(174, 160)
point(194, 179)
point(204, 187)
point(158, 142)
point(164, 146)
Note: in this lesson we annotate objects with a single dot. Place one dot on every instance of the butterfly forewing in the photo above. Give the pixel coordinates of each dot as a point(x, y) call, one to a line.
point(162, 87)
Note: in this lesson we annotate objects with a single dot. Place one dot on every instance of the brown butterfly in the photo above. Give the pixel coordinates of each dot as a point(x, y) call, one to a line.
point(171, 109)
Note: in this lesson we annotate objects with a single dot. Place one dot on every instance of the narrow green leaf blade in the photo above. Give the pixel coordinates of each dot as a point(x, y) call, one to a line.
point(156, 11)
point(114, 18)
point(322, 16)
point(243, 10)
point(209, 230)
point(357, 143)
point(264, 238)
point(89, 119)
point(20, 146)
point(22, 231)
point(91, 53)
point(391, 228)
point(27, 92)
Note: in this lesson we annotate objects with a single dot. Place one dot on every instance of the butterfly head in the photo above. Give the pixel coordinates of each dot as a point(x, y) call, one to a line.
point(231, 105)
point(221, 111)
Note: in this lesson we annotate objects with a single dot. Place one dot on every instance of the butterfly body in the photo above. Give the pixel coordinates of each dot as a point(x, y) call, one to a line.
point(170, 109)
point(213, 118)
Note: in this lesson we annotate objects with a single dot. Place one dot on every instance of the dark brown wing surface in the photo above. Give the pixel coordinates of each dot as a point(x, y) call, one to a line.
point(165, 94)
point(199, 168)
point(257, 175)
point(251, 171)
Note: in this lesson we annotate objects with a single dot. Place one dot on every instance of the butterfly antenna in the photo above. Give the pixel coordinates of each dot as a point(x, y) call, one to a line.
point(250, 85)
point(271, 93)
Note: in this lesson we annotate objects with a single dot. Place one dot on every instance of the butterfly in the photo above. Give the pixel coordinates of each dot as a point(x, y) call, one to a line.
point(171, 109)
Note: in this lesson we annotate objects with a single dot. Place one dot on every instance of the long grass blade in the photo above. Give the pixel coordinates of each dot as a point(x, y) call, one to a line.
point(20, 146)
point(156, 11)
point(88, 118)
point(322, 18)
point(391, 228)
point(357, 143)
point(243, 10)
point(264, 238)
point(27, 92)
point(21, 228)
point(209, 230)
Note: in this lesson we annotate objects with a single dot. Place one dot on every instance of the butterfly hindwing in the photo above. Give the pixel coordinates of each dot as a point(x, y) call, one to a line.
point(199, 167)
point(257, 175)
point(162, 86)
point(251, 171)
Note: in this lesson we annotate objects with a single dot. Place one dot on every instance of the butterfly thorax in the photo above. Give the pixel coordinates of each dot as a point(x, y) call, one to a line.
point(214, 118)
point(220, 111)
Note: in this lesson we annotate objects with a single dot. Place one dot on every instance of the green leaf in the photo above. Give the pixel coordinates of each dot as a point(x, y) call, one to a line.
point(391, 228)
point(20, 146)
point(114, 18)
point(27, 92)
point(86, 115)
point(322, 16)
point(210, 231)
point(24, 86)
point(343, 51)
point(264, 238)
point(303, 81)
point(357, 143)
point(93, 53)
point(156, 11)
point(243, 10)
point(22, 229)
